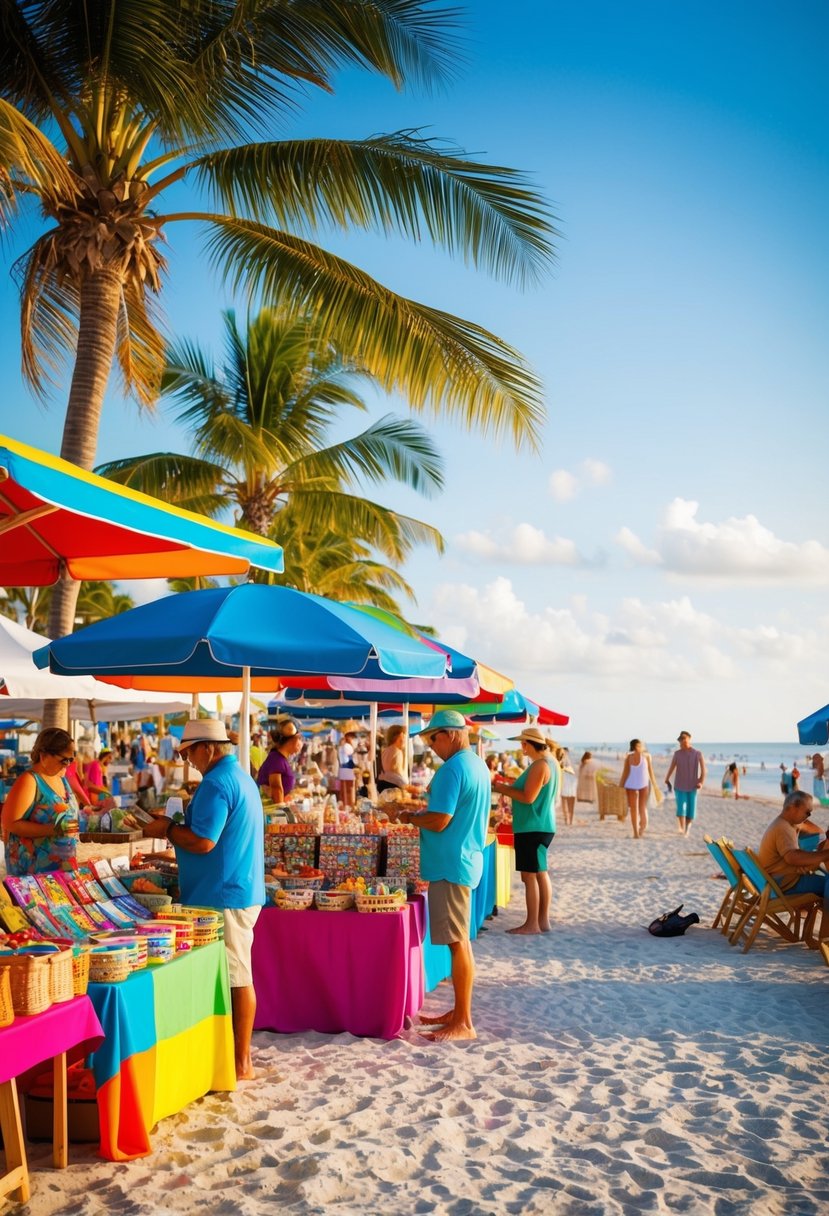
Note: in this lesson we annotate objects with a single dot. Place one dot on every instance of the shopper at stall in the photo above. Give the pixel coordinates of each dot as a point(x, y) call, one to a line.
point(220, 853)
point(40, 814)
point(276, 774)
point(452, 835)
point(533, 797)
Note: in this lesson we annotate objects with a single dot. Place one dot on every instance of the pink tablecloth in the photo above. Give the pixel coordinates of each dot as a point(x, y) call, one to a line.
point(30, 1041)
point(339, 971)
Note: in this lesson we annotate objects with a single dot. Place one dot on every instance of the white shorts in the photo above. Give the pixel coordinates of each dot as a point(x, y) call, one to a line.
point(239, 923)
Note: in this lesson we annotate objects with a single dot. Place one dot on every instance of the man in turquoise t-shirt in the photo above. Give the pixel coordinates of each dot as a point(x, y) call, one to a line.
point(452, 837)
point(221, 859)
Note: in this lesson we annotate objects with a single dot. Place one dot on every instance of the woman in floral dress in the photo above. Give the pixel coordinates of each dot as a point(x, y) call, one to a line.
point(40, 814)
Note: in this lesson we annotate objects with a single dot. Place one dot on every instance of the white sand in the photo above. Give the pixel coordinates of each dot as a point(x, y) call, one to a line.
point(613, 1073)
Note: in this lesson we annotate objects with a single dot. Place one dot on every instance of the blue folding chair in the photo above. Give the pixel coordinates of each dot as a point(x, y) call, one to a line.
point(792, 917)
point(735, 897)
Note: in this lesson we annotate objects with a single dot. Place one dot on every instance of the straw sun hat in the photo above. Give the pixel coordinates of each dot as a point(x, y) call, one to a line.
point(204, 730)
point(532, 734)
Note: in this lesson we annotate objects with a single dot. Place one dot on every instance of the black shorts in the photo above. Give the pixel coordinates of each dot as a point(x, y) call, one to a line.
point(531, 851)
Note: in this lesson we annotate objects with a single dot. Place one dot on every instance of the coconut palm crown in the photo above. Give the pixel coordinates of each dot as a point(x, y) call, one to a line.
point(114, 112)
point(259, 429)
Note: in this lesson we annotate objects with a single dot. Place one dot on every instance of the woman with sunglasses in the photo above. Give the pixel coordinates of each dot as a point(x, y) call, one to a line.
point(40, 814)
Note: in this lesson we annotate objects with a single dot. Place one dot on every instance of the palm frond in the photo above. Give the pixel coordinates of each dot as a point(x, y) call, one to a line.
point(440, 362)
point(395, 448)
point(395, 183)
point(185, 481)
point(28, 159)
point(140, 349)
point(49, 311)
point(392, 534)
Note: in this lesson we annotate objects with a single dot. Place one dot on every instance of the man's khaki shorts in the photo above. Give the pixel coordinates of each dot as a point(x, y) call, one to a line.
point(449, 910)
point(239, 924)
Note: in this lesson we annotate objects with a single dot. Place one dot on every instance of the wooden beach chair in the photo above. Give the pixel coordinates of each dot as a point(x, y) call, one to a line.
point(791, 917)
point(737, 898)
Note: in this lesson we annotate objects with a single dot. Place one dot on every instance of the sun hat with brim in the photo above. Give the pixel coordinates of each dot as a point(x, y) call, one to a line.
point(444, 719)
point(205, 730)
point(531, 734)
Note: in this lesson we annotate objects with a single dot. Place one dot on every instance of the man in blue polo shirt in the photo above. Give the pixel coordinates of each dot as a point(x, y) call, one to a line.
point(452, 836)
point(221, 861)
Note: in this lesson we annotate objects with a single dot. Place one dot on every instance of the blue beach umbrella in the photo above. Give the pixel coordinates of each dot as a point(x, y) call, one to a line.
point(226, 637)
point(206, 639)
point(815, 728)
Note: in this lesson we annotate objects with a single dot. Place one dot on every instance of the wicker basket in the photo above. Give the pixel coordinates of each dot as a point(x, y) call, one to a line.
point(334, 901)
point(184, 931)
point(296, 882)
point(80, 970)
point(294, 901)
point(395, 902)
point(61, 982)
point(6, 1006)
point(109, 964)
point(153, 903)
point(29, 982)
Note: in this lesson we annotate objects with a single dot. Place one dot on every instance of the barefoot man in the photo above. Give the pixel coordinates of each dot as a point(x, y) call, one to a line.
point(534, 822)
point(452, 836)
point(221, 858)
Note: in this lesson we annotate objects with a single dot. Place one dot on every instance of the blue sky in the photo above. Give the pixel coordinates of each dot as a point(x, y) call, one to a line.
point(664, 561)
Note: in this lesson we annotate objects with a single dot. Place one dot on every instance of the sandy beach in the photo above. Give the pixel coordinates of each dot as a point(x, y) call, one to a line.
point(613, 1073)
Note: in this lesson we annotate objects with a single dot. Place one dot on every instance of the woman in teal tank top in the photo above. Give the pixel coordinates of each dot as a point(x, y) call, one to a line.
point(533, 797)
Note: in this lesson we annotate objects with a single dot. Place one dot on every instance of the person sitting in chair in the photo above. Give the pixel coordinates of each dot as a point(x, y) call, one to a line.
point(791, 866)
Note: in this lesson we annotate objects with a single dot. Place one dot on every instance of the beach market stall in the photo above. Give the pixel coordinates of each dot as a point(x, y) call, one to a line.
point(25, 1043)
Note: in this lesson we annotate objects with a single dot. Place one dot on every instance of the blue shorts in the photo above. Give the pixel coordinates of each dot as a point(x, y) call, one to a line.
point(686, 804)
point(810, 884)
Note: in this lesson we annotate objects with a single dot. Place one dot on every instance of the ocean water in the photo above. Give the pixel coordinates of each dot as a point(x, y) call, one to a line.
point(759, 762)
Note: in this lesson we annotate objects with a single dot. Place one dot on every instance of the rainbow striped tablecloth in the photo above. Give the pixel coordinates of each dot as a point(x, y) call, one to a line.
point(169, 1040)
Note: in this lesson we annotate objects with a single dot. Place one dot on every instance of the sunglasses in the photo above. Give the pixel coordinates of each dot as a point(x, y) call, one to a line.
point(63, 759)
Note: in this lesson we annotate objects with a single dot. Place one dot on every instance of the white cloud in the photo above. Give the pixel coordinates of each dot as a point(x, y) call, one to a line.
point(644, 668)
point(596, 472)
point(524, 545)
point(736, 550)
point(564, 485)
point(633, 546)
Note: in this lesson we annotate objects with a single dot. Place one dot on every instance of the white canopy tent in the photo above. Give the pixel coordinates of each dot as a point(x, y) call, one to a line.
point(23, 688)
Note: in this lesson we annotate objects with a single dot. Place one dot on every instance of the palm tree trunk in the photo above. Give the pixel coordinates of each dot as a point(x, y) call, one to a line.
point(97, 332)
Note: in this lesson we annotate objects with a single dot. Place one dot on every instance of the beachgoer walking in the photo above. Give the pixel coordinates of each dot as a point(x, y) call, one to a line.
point(786, 781)
point(636, 780)
point(791, 867)
point(533, 797)
point(689, 765)
point(795, 777)
point(586, 788)
point(569, 785)
point(346, 774)
point(452, 837)
point(220, 849)
point(819, 778)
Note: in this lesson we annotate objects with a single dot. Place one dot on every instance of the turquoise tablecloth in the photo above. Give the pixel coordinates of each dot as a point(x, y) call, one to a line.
point(436, 959)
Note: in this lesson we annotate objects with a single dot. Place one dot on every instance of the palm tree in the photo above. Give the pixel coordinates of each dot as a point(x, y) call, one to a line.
point(259, 428)
point(96, 602)
point(104, 108)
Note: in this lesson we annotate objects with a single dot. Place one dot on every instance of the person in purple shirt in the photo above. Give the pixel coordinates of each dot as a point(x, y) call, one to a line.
point(276, 774)
point(689, 765)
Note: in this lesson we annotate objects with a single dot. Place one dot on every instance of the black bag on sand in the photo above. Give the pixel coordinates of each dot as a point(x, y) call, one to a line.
point(671, 924)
